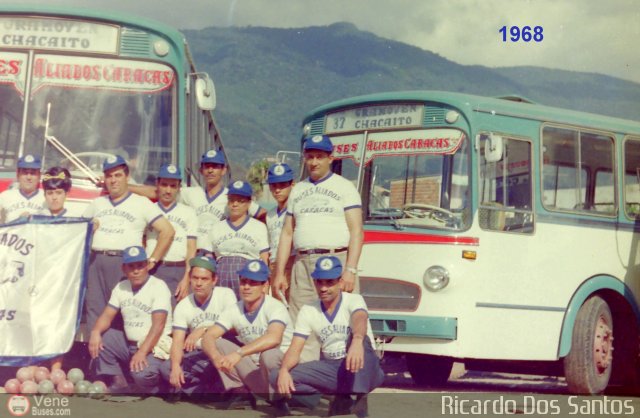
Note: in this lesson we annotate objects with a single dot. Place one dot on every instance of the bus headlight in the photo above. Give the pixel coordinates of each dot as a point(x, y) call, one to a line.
point(161, 48)
point(306, 130)
point(436, 278)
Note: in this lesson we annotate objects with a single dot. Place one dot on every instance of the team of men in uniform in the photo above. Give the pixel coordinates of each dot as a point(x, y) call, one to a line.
point(284, 322)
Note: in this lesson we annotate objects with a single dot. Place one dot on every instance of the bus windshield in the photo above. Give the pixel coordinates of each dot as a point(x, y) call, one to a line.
point(94, 107)
point(410, 178)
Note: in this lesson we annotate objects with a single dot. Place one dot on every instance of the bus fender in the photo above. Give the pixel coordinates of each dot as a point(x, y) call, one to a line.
point(589, 287)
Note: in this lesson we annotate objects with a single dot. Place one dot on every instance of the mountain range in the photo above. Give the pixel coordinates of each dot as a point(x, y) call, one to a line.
point(267, 79)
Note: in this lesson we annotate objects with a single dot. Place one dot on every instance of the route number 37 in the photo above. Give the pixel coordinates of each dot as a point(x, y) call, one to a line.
point(7, 315)
point(526, 34)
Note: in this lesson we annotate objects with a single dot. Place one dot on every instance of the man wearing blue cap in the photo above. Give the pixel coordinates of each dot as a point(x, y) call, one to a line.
point(145, 304)
point(27, 199)
point(121, 219)
point(324, 217)
point(280, 180)
point(348, 364)
point(189, 370)
point(264, 328)
point(239, 237)
point(173, 266)
point(210, 204)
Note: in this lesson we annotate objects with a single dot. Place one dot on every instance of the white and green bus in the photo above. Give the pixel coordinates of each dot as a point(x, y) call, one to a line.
point(79, 85)
point(498, 232)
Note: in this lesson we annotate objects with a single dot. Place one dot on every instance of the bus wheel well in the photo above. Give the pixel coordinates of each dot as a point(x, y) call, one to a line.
point(626, 344)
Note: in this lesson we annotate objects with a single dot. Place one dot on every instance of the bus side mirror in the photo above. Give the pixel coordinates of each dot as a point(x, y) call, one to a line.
point(205, 93)
point(493, 148)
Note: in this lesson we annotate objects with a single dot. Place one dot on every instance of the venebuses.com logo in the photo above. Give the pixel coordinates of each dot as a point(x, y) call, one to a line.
point(18, 405)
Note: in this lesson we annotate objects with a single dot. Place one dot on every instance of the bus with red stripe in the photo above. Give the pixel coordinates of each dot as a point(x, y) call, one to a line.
point(77, 86)
point(499, 233)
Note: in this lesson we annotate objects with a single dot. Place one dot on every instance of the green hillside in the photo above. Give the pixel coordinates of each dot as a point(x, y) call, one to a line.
point(267, 79)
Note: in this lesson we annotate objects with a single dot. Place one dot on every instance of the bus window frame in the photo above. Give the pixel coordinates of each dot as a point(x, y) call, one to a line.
point(625, 140)
point(505, 209)
point(590, 176)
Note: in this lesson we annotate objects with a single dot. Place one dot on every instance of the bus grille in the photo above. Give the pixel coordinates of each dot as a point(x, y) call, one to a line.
point(433, 116)
point(317, 126)
point(390, 295)
point(134, 42)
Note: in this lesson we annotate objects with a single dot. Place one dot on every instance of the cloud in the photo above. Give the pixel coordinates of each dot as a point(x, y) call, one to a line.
point(593, 36)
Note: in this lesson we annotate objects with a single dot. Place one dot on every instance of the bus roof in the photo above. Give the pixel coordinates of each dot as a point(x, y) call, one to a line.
point(511, 105)
point(101, 15)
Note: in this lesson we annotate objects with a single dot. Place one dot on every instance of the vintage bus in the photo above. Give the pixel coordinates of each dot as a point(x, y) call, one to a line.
point(498, 232)
point(77, 86)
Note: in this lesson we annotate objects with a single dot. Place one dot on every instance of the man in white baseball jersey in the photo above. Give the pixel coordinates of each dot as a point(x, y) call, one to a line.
point(173, 266)
point(348, 364)
point(189, 370)
point(280, 180)
point(324, 216)
point(122, 218)
point(209, 203)
point(27, 199)
point(145, 304)
point(264, 328)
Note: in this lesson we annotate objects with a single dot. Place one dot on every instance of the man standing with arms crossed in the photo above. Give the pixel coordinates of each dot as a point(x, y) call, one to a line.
point(324, 217)
point(174, 267)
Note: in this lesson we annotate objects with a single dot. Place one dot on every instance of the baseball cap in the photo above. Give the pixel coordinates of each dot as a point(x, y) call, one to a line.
point(255, 270)
point(112, 161)
point(213, 156)
point(240, 188)
point(169, 171)
point(279, 173)
point(133, 255)
point(30, 161)
point(319, 142)
point(328, 267)
point(204, 262)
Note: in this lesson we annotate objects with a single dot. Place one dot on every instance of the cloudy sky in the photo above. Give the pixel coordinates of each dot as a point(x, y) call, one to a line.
point(600, 36)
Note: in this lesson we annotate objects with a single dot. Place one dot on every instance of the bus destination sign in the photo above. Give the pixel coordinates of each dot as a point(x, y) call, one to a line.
point(58, 35)
point(371, 118)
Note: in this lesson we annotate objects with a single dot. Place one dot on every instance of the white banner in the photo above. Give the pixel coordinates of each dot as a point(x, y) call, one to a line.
point(43, 268)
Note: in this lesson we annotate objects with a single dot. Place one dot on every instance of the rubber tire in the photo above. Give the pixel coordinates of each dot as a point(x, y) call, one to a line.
point(427, 370)
point(579, 365)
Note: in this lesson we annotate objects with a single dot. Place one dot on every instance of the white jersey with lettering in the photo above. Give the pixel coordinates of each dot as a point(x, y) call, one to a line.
point(209, 210)
point(248, 240)
point(184, 222)
point(14, 203)
point(190, 315)
point(275, 222)
point(253, 326)
point(318, 209)
point(332, 330)
point(122, 224)
point(138, 306)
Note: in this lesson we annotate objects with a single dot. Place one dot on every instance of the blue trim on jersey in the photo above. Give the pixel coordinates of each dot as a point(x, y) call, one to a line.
point(239, 227)
point(255, 215)
point(214, 197)
point(297, 334)
point(280, 212)
point(277, 321)
point(29, 196)
point(264, 250)
point(360, 309)
point(289, 213)
point(179, 328)
point(352, 207)
point(117, 308)
point(331, 317)
point(315, 183)
point(160, 310)
point(252, 316)
point(221, 326)
point(192, 237)
point(169, 209)
point(203, 307)
point(121, 201)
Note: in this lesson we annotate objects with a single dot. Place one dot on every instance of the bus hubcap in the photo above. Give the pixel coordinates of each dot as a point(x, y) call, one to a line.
point(602, 345)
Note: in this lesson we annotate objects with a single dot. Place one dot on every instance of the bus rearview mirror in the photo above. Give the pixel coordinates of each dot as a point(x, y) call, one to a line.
point(205, 93)
point(493, 148)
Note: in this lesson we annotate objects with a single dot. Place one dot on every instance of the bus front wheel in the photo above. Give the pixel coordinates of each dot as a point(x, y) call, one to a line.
point(429, 370)
point(587, 367)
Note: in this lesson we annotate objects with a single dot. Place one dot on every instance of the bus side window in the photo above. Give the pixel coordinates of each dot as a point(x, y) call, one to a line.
point(632, 177)
point(506, 188)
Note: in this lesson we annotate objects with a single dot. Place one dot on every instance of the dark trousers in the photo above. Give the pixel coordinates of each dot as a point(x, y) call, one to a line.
point(200, 376)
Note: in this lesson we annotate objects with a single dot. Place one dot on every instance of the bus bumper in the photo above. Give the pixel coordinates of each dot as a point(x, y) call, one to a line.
point(386, 325)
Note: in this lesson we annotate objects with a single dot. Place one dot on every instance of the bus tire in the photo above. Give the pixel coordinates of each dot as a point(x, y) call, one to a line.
point(427, 370)
point(587, 367)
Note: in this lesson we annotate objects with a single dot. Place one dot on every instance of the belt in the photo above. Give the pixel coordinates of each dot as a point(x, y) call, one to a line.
point(322, 251)
point(132, 343)
point(172, 263)
point(111, 253)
